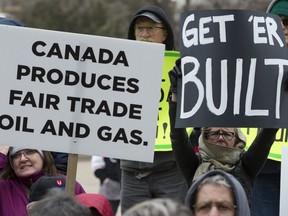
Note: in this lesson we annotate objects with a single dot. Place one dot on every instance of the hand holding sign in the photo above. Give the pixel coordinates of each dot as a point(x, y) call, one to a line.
point(174, 74)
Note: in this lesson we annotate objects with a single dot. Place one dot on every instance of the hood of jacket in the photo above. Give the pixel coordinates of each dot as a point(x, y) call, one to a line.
point(239, 193)
point(160, 13)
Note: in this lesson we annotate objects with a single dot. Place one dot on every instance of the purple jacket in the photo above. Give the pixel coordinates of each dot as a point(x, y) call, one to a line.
point(13, 199)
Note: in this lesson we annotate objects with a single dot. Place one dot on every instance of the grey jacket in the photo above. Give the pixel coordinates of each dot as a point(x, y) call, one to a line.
point(239, 194)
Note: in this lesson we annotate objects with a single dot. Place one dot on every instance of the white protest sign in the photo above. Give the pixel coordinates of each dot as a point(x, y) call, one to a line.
point(78, 93)
point(284, 180)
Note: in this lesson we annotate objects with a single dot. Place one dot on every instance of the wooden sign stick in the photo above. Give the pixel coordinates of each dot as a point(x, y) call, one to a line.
point(71, 173)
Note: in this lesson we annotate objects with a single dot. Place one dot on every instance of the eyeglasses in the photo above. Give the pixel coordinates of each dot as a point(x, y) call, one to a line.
point(284, 20)
point(216, 134)
point(223, 208)
point(149, 29)
point(27, 153)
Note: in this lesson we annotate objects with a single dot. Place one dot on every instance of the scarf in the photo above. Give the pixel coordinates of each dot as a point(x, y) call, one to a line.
point(219, 157)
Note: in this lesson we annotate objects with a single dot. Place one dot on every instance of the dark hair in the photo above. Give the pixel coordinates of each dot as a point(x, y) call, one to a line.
point(48, 167)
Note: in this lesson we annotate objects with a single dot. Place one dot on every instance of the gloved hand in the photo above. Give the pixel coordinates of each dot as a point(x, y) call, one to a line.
point(174, 75)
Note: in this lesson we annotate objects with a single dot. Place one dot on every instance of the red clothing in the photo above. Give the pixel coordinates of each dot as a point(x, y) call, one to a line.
point(98, 201)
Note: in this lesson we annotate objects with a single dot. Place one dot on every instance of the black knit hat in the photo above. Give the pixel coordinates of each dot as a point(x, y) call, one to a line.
point(40, 188)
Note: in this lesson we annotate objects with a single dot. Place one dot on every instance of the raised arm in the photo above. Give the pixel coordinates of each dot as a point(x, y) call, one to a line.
point(184, 153)
point(256, 155)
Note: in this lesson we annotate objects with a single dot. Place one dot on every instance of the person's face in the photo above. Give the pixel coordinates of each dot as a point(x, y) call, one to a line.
point(147, 30)
point(27, 162)
point(284, 22)
point(222, 136)
point(214, 200)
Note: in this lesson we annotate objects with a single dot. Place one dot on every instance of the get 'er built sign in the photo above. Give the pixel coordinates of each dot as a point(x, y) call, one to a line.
point(234, 67)
point(235, 63)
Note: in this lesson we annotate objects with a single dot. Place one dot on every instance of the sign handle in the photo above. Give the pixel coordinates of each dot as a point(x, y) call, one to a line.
point(71, 173)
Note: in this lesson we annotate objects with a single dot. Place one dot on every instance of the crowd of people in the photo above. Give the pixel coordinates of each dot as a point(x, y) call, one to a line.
point(221, 178)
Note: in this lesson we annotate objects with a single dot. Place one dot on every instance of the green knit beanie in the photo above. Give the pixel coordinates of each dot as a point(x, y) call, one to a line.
point(280, 8)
